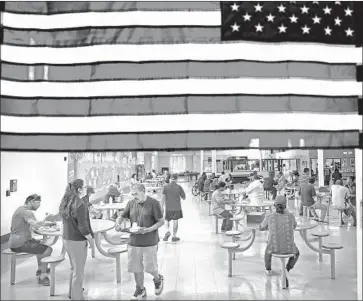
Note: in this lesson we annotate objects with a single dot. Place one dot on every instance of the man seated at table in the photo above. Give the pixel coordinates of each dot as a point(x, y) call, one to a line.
point(218, 204)
point(269, 183)
point(308, 198)
point(21, 238)
point(281, 226)
point(206, 187)
point(340, 198)
point(255, 190)
point(281, 183)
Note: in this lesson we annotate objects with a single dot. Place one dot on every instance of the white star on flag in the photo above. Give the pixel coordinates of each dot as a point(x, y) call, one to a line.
point(258, 27)
point(293, 19)
point(235, 27)
point(234, 7)
point(305, 29)
point(282, 28)
point(304, 9)
point(327, 10)
point(270, 18)
point(258, 7)
point(349, 32)
point(348, 12)
point(281, 8)
point(327, 31)
point(337, 21)
point(247, 17)
point(316, 19)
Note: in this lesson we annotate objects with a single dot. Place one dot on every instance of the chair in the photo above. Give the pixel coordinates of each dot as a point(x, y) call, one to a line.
point(13, 257)
point(332, 247)
point(283, 258)
point(115, 252)
point(230, 246)
point(234, 234)
point(320, 236)
point(53, 262)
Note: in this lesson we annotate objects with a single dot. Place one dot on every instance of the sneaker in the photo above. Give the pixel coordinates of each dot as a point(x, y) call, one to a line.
point(174, 239)
point(268, 272)
point(159, 285)
point(140, 294)
point(45, 281)
point(39, 272)
point(166, 237)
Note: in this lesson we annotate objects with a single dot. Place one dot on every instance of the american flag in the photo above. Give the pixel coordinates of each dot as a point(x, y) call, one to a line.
point(91, 76)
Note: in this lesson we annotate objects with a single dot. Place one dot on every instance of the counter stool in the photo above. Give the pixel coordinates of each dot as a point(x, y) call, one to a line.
point(283, 257)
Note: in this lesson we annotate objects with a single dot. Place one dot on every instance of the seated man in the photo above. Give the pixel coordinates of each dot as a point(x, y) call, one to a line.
point(269, 185)
point(281, 225)
point(218, 204)
point(21, 238)
point(281, 183)
point(308, 198)
point(340, 198)
point(255, 190)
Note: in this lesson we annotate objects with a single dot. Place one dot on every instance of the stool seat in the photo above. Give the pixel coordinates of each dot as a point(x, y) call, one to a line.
point(116, 250)
point(9, 252)
point(229, 245)
point(233, 232)
point(237, 218)
point(51, 259)
point(320, 234)
point(282, 255)
point(332, 245)
point(125, 236)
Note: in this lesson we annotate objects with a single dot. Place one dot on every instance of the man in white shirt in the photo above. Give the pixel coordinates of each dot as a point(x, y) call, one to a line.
point(340, 199)
point(255, 190)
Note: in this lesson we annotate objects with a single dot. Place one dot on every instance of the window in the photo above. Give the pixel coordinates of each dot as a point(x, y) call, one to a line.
point(333, 163)
point(177, 163)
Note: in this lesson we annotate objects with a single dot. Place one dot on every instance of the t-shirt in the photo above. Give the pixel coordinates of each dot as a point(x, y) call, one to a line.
point(255, 191)
point(217, 197)
point(146, 215)
point(20, 228)
point(173, 192)
point(304, 179)
point(281, 232)
point(307, 192)
point(338, 195)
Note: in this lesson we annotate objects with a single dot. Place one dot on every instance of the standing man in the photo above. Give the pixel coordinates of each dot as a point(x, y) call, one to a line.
point(143, 244)
point(172, 193)
point(21, 238)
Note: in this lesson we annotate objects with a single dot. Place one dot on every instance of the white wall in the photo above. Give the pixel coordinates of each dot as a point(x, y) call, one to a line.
point(42, 173)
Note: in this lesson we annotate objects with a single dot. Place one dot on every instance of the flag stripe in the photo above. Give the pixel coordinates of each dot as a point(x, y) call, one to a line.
point(181, 86)
point(58, 7)
point(185, 104)
point(189, 122)
point(116, 19)
point(180, 141)
point(179, 70)
point(226, 51)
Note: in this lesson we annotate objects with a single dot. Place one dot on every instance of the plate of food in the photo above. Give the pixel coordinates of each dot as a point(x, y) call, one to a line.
point(135, 229)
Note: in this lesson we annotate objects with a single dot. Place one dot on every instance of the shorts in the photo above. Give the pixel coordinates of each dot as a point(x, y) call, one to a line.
point(173, 215)
point(142, 259)
point(32, 247)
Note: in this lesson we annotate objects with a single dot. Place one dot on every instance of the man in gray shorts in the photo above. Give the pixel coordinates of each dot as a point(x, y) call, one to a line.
point(21, 238)
point(143, 244)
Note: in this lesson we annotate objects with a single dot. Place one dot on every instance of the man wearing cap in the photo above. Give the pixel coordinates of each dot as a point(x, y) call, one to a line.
point(172, 193)
point(21, 238)
point(143, 244)
point(281, 225)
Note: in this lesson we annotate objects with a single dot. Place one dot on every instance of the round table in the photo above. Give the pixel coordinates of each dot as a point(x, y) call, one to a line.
point(109, 207)
point(99, 227)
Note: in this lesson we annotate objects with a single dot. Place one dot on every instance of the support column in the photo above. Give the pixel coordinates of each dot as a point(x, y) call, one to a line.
point(201, 161)
point(214, 161)
point(321, 167)
point(358, 181)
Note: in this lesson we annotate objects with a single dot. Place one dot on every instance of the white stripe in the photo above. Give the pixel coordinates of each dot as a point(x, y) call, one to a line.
point(226, 51)
point(94, 19)
point(181, 86)
point(192, 122)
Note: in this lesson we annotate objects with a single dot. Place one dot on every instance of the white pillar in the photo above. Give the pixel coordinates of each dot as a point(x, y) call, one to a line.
point(214, 161)
point(321, 167)
point(358, 181)
point(201, 161)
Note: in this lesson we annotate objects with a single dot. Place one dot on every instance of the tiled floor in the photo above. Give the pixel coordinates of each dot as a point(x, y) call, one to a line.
point(196, 269)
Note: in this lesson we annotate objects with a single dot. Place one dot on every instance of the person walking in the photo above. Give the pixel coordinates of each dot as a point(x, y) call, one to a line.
point(77, 232)
point(172, 193)
point(143, 244)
